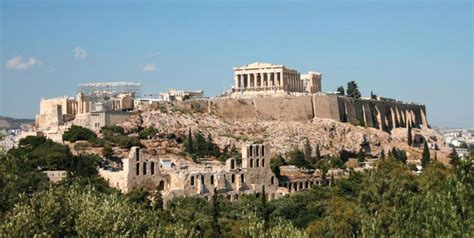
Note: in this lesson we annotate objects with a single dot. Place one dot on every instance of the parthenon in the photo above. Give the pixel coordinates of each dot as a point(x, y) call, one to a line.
point(264, 77)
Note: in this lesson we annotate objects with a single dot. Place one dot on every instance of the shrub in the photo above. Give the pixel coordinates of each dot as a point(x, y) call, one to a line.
point(81, 146)
point(108, 131)
point(148, 133)
point(126, 142)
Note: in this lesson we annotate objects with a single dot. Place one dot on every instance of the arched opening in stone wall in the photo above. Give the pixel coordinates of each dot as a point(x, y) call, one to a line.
point(137, 154)
point(263, 162)
point(257, 163)
point(161, 185)
point(144, 167)
point(272, 180)
point(251, 163)
point(152, 168)
point(192, 180)
point(233, 178)
point(137, 169)
point(212, 179)
point(242, 179)
point(232, 164)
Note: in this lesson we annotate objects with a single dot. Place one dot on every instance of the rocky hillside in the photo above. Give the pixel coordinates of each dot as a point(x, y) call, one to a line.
point(332, 136)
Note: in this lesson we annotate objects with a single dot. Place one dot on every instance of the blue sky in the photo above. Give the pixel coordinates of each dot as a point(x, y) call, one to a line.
point(415, 51)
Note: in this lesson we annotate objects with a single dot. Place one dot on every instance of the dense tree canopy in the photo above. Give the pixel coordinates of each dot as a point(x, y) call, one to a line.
point(75, 133)
point(387, 201)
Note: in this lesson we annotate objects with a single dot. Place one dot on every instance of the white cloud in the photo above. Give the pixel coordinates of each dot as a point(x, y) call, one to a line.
point(79, 53)
point(17, 63)
point(149, 68)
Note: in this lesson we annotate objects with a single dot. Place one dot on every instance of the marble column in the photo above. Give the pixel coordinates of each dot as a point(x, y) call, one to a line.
point(271, 80)
point(237, 81)
point(259, 80)
point(254, 80)
point(246, 80)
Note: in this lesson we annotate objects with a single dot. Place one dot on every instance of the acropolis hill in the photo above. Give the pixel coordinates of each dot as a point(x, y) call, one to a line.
point(270, 110)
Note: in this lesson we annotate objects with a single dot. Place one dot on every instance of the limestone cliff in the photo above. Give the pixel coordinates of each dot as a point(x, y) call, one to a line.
point(332, 136)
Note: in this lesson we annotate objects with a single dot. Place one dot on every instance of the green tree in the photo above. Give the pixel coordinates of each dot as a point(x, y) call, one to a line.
point(189, 144)
point(32, 142)
point(216, 229)
point(110, 131)
point(201, 147)
point(353, 90)
point(409, 136)
point(308, 152)
point(84, 165)
point(107, 152)
point(373, 96)
point(425, 157)
point(318, 153)
point(75, 133)
point(454, 159)
point(361, 156)
point(265, 210)
point(139, 197)
point(148, 133)
point(126, 142)
point(275, 164)
point(212, 148)
point(340, 90)
point(297, 158)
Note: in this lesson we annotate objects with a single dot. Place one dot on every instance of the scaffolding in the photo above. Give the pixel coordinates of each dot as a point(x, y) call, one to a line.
point(110, 88)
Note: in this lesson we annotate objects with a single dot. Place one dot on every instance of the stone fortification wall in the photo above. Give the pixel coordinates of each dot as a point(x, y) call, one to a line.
point(382, 114)
point(264, 108)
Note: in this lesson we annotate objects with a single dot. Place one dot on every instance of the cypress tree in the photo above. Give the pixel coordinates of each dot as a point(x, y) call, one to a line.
point(361, 156)
point(307, 152)
point(265, 210)
point(425, 158)
point(189, 145)
point(216, 229)
point(318, 153)
point(409, 136)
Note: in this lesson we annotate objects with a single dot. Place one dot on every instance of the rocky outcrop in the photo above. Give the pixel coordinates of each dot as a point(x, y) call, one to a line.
point(332, 136)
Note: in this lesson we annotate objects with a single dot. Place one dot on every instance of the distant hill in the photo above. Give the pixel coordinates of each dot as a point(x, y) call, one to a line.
point(13, 123)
